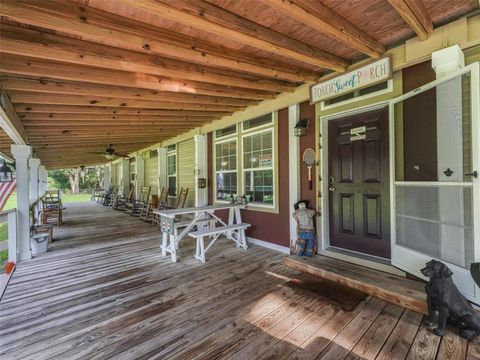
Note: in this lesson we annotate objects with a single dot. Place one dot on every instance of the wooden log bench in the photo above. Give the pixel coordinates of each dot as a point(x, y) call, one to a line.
point(235, 232)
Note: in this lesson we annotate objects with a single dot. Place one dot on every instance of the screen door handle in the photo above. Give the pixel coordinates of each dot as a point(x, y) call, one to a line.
point(474, 174)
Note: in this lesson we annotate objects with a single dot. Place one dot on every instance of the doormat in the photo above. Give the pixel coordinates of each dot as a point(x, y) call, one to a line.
point(336, 294)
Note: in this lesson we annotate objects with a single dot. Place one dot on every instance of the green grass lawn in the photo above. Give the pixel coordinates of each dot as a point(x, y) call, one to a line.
point(66, 198)
point(12, 203)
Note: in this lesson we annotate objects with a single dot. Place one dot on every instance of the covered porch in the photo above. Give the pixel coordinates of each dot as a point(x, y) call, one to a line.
point(104, 291)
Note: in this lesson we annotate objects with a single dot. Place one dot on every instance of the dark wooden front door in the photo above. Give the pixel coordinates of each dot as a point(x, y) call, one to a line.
point(358, 178)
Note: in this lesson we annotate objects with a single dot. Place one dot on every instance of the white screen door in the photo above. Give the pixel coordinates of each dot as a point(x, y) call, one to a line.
point(435, 194)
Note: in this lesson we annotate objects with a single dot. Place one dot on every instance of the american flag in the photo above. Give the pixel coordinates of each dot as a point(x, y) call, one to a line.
point(6, 189)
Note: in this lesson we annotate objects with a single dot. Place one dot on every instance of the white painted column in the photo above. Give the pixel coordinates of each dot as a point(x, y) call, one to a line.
point(201, 169)
point(125, 164)
point(107, 178)
point(162, 168)
point(450, 152)
point(139, 174)
point(293, 167)
point(22, 153)
point(33, 165)
point(43, 179)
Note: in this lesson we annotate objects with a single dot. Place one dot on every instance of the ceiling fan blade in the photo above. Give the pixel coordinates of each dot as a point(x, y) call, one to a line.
point(121, 155)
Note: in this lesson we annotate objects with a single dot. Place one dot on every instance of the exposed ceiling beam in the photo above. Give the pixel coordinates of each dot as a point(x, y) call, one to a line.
point(84, 110)
point(76, 21)
point(35, 98)
point(9, 121)
point(24, 66)
point(51, 88)
point(220, 22)
point(415, 15)
point(40, 45)
point(79, 112)
point(319, 17)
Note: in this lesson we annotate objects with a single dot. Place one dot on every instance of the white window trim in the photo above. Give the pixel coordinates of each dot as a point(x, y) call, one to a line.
point(258, 127)
point(229, 138)
point(271, 130)
point(173, 153)
point(225, 137)
point(389, 89)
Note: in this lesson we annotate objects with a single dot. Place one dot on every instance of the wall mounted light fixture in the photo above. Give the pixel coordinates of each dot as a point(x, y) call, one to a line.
point(301, 127)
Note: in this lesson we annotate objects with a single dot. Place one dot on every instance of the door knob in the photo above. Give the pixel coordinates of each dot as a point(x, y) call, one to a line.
point(331, 188)
point(474, 174)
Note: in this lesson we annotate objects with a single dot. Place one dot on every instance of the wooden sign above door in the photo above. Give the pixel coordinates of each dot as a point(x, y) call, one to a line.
point(367, 75)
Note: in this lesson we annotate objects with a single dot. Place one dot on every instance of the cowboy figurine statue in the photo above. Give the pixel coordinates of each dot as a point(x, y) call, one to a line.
point(306, 244)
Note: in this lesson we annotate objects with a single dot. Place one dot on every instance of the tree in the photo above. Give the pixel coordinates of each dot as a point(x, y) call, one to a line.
point(76, 179)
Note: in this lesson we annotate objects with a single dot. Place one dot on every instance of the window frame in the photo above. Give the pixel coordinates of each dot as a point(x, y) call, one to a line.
point(258, 127)
point(239, 136)
point(273, 167)
point(226, 139)
point(172, 153)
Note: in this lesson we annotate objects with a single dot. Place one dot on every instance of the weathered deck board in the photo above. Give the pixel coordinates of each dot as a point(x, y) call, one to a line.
point(104, 291)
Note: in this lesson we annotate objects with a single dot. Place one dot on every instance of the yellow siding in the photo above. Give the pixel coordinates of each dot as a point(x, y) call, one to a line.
point(186, 167)
point(119, 174)
point(151, 174)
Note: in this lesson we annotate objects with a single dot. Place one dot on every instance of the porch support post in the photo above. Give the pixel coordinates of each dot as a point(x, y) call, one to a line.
point(107, 178)
point(139, 174)
point(450, 152)
point(34, 165)
point(125, 164)
point(162, 168)
point(293, 169)
point(21, 153)
point(201, 169)
point(42, 178)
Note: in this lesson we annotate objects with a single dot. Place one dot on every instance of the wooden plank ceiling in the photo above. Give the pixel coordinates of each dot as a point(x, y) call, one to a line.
point(82, 74)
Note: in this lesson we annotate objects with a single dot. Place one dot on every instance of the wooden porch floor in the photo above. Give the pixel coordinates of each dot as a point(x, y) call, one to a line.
point(105, 292)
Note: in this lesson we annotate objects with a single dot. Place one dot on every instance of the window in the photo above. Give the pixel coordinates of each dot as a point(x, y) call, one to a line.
point(258, 167)
point(226, 169)
point(172, 170)
point(266, 119)
point(244, 161)
point(226, 131)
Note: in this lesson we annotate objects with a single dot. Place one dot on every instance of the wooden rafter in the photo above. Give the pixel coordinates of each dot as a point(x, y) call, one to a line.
point(90, 110)
point(75, 21)
point(9, 121)
point(321, 18)
point(75, 100)
point(217, 21)
point(22, 66)
point(415, 15)
point(35, 44)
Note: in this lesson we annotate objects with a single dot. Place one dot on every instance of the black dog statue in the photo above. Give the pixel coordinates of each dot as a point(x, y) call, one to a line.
point(443, 296)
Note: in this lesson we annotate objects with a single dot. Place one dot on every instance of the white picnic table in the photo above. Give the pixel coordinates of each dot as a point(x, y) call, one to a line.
point(205, 220)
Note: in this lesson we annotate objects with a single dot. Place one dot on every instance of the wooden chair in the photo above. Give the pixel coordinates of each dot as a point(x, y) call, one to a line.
point(162, 204)
point(121, 202)
point(134, 207)
point(146, 214)
point(52, 208)
point(108, 195)
point(182, 198)
point(117, 195)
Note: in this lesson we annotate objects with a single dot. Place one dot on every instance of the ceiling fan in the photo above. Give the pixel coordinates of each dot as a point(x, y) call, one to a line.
point(110, 153)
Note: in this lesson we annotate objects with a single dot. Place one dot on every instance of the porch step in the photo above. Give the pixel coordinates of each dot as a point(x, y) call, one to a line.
point(397, 290)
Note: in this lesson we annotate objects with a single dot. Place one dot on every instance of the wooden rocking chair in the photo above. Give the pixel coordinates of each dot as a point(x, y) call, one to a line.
point(122, 201)
point(117, 195)
point(52, 208)
point(146, 214)
point(162, 204)
point(135, 207)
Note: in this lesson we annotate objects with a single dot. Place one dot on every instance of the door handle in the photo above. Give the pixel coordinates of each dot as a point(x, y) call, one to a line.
point(474, 174)
point(331, 188)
